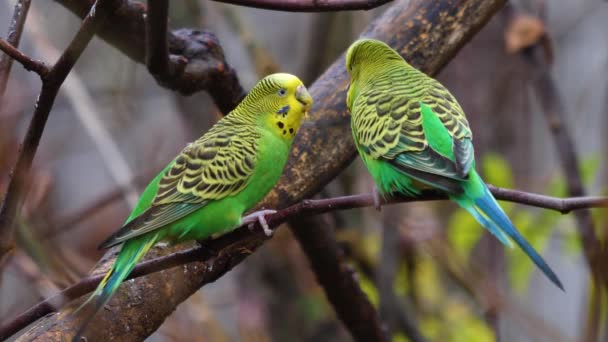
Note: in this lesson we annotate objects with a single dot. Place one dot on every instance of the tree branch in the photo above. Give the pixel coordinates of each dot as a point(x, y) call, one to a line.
point(395, 313)
point(426, 33)
point(316, 238)
point(157, 52)
point(29, 64)
point(555, 113)
point(51, 83)
point(13, 37)
point(309, 5)
point(232, 246)
point(196, 59)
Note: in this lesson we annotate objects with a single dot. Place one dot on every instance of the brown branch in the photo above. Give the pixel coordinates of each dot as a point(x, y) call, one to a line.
point(309, 5)
point(555, 113)
point(51, 83)
point(426, 33)
point(316, 238)
point(230, 246)
point(29, 64)
point(157, 51)
point(394, 311)
point(196, 59)
point(13, 37)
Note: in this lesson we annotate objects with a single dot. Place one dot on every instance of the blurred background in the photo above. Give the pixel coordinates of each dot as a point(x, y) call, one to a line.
point(112, 128)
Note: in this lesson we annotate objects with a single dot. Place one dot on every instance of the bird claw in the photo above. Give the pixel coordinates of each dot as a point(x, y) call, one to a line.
point(259, 216)
point(377, 200)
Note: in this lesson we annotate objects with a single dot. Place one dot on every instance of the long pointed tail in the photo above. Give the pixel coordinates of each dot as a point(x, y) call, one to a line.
point(478, 200)
point(132, 251)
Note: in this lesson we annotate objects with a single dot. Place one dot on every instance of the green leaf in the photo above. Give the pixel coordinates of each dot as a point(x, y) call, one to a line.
point(401, 285)
point(589, 168)
point(497, 171)
point(368, 287)
point(463, 233)
point(400, 337)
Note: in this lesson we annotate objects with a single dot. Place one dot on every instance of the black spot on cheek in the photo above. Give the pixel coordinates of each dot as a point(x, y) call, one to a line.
point(284, 132)
point(291, 130)
point(280, 124)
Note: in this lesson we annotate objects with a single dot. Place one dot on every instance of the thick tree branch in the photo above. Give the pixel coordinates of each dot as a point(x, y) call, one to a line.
point(51, 83)
point(394, 311)
point(196, 59)
point(13, 37)
point(309, 5)
point(231, 245)
point(157, 52)
point(426, 33)
point(316, 238)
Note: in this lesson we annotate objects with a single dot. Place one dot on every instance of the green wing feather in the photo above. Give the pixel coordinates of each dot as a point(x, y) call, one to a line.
point(389, 119)
point(216, 166)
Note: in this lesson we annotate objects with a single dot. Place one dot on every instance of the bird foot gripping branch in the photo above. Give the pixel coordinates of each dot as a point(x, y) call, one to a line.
point(259, 216)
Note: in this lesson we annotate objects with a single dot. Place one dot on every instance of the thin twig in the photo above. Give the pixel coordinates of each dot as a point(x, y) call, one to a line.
point(157, 51)
point(75, 90)
point(213, 248)
point(51, 83)
point(28, 63)
point(13, 37)
point(309, 5)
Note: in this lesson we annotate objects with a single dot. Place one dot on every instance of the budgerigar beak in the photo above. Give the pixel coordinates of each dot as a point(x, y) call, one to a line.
point(304, 98)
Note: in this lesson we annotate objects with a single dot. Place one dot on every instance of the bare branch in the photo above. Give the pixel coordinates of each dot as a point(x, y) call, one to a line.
point(29, 64)
point(196, 59)
point(309, 5)
point(51, 83)
point(157, 52)
point(555, 113)
point(230, 246)
point(316, 238)
point(13, 37)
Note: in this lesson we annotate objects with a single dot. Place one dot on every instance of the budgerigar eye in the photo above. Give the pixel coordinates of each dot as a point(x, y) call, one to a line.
point(282, 92)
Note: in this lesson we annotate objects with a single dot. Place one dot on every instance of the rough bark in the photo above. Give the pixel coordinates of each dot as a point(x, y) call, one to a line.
point(427, 33)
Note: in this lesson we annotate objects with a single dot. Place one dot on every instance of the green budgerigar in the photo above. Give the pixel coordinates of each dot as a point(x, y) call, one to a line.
point(206, 189)
point(412, 134)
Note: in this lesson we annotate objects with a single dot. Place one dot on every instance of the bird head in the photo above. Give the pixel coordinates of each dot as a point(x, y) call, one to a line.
point(364, 57)
point(367, 52)
point(283, 101)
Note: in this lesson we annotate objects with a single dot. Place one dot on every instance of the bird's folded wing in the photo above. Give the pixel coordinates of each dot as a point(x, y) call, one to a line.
point(216, 166)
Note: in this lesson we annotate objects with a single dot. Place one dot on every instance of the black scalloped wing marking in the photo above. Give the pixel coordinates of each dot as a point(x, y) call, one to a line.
point(385, 124)
point(217, 165)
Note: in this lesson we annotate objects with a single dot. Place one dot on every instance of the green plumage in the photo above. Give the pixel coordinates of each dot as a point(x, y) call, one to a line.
point(206, 189)
point(412, 134)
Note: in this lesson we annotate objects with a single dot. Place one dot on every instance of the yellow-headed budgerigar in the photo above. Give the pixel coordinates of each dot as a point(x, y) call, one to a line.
point(206, 189)
point(412, 134)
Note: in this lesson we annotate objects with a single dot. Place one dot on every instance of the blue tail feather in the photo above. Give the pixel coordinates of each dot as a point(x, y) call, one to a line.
point(489, 224)
point(490, 210)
